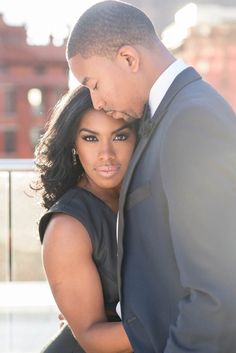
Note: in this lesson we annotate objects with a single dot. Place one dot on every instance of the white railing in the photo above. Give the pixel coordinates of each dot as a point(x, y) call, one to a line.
point(26, 303)
point(11, 165)
point(20, 258)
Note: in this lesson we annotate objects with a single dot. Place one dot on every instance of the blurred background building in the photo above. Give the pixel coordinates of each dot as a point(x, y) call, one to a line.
point(31, 80)
point(33, 77)
point(162, 13)
point(205, 37)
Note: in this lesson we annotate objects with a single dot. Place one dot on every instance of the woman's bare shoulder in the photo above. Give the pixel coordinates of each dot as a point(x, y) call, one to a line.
point(65, 231)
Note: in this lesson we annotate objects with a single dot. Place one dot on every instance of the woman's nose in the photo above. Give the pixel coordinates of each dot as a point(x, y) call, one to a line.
point(106, 151)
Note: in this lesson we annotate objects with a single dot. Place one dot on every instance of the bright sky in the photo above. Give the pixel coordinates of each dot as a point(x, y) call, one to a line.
point(44, 17)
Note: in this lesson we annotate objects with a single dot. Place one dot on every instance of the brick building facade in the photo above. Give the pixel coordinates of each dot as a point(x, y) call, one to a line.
point(32, 78)
point(205, 37)
point(212, 52)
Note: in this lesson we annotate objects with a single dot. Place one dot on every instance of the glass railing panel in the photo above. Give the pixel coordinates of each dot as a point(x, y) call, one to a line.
point(26, 304)
point(26, 247)
point(20, 249)
point(4, 226)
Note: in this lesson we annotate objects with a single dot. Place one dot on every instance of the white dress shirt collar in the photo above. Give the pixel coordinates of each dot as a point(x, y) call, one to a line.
point(163, 83)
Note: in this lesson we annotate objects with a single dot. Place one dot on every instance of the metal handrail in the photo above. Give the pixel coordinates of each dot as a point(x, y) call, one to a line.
point(9, 165)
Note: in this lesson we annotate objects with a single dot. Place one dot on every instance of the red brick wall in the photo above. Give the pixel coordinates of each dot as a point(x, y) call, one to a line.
point(24, 67)
point(213, 54)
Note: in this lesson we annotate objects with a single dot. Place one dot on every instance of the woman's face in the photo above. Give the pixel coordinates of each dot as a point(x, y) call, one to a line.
point(104, 146)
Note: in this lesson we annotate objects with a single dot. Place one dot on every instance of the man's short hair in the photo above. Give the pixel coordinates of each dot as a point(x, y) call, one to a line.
point(107, 26)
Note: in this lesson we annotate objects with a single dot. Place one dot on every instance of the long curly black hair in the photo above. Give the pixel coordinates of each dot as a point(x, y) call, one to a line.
point(53, 155)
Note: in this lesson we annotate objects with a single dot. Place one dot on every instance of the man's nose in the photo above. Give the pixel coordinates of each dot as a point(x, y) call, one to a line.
point(98, 102)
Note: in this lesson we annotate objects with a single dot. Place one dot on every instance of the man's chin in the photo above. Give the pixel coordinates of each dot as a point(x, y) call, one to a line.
point(129, 118)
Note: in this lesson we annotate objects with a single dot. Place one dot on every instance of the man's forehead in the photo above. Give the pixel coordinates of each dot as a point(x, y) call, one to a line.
point(85, 69)
point(82, 68)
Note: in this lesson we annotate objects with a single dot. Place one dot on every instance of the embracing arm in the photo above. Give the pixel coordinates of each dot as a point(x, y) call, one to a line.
point(199, 176)
point(76, 286)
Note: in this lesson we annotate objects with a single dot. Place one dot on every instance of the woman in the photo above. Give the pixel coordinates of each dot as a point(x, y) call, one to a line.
point(82, 159)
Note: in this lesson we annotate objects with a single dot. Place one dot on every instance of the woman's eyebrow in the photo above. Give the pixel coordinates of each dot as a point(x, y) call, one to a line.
point(125, 126)
point(88, 130)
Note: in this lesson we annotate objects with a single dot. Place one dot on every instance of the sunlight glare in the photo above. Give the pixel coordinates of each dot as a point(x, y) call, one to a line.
point(35, 97)
point(187, 16)
point(44, 18)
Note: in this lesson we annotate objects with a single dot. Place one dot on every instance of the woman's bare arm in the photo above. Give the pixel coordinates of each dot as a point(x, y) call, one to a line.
point(76, 286)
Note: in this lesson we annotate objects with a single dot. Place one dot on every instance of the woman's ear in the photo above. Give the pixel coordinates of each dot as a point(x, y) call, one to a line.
point(129, 57)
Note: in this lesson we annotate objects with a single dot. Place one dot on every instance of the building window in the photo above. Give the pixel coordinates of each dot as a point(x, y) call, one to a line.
point(40, 69)
point(9, 141)
point(10, 101)
point(3, 68)
point(35, 99)
point(35, 134)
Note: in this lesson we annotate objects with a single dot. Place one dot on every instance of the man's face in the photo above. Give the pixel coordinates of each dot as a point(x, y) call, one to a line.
point(112, 84)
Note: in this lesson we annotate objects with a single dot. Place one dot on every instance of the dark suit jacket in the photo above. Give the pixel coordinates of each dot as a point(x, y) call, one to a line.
point(177, 226)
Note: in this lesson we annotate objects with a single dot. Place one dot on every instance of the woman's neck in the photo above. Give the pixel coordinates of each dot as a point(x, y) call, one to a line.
point(109, 196)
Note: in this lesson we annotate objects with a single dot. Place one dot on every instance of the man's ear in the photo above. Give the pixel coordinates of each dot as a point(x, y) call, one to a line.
point(129, 57)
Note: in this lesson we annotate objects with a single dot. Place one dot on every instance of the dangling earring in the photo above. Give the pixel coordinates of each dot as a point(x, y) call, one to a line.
point(74, 159)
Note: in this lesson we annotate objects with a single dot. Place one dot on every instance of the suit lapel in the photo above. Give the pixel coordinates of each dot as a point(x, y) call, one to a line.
point(184, 78)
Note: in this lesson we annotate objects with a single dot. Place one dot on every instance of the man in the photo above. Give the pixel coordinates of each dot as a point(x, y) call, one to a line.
point(177, 220)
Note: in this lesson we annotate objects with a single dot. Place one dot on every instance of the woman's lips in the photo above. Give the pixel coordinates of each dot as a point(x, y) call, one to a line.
point(108, 171)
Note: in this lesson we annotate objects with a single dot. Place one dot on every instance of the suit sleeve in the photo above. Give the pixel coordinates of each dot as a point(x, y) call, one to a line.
point(198, 166)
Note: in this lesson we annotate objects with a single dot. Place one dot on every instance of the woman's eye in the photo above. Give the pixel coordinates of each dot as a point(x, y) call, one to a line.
point(90, 138)
point(121, 137)
point(95, 87)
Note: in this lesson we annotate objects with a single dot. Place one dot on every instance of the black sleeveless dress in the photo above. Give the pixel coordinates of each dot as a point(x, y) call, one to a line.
point(100, 222)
